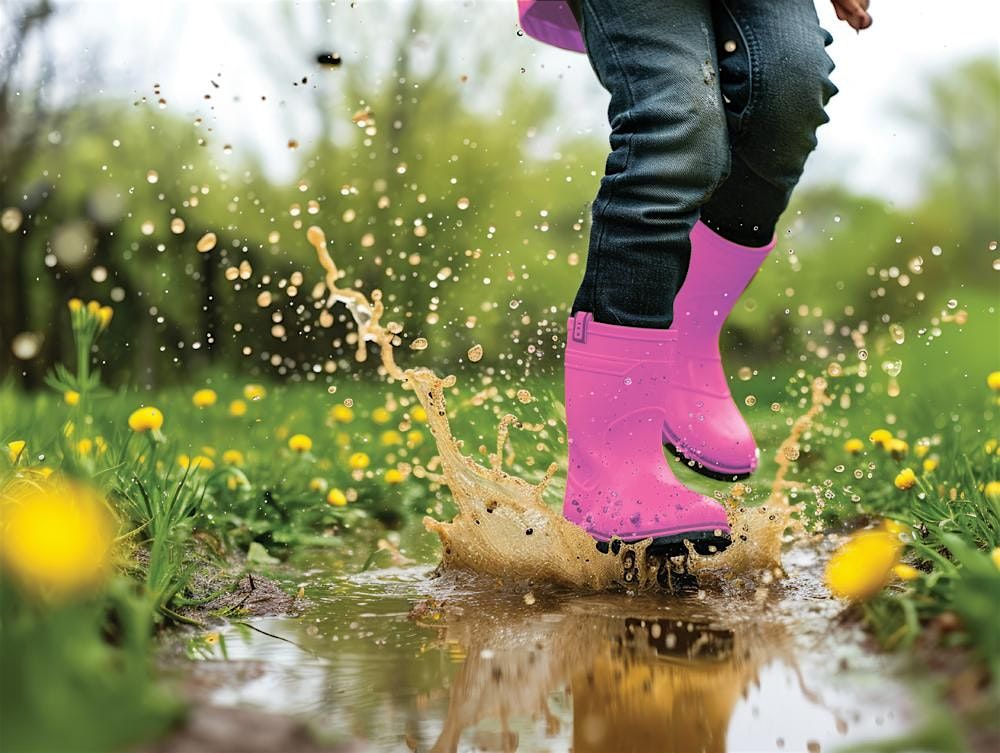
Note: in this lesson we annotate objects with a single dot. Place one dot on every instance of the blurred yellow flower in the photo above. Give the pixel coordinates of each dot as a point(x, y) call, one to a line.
point(880, 437)
point(336, 498)
point(418, 414)
point(93, 307)
point(233, 457)
point(198, 462)
point(993, 380)
point(905, 572)
point(318, 485)
point(905, 479)
point(381, 415)
point(300, 443)
point(341, 413)
point(74, 304)
point(101, 445)
point(414, 437)
point(930, 464)
point(84, 446)
point(237, 408)
point(254, 392)
point(992, 491)
point(211, 638)
point(104, 314)
point(995, 556)
point(343, 439)
point(56, 536)
point(145, 419)
point(204, 398)
point(15, 449)
point(358, 461)
point(393, 476)
point(854, 446)
point(72, 397)
point(922, 447)
point(860, 568)
point(898, 448)
point(391, 437)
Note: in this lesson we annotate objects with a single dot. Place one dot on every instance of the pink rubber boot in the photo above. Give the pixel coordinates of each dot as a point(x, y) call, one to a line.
point(619, 483)
point(703, 424)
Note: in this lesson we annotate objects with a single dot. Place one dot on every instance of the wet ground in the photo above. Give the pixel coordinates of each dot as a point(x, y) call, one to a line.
point(399, 660)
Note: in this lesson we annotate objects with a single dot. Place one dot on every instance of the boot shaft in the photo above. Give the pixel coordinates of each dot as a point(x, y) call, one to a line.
point(719, 272)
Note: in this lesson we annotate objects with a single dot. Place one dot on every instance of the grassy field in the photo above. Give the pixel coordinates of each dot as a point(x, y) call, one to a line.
point(107, 496)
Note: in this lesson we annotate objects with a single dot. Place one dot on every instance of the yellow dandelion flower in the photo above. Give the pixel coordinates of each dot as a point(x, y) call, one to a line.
point(905, 479)
point(93, 307)
point(393, 476)
point(381, 415)
point(854, 446)
point(336, 498)
point(860, 568)
point(898, 448)
point(993, 380)
point(16, 449)
point(300, 443)
point(391, 437)
point(930, 465)
point(358, 461)
point(414, 438)
point(905, 572)
point(233, 457)
point(922, 447)
point(71, 397)
point(197, 463)
point(881, 437)
point(992, 491)
point(318, 485)
point(146, 419)
point(341, 413)
point(991, 446)
point(204, 398)
point(237, 408)
point(56, 537)
point(232, 483)
point(104, 314)
point(75, 304)
point(418, 414)
point(254, 392)
point(211, 638)
point(101, 445)
point(85, 446)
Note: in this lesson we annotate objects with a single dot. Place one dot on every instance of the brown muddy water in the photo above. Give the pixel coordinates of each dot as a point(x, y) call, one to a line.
point(406, 661)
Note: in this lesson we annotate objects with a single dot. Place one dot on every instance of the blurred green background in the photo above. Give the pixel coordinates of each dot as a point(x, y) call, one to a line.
point(444, 174)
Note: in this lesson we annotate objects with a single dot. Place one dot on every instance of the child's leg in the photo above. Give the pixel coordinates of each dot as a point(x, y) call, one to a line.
point(670, 151)
point(774, 72)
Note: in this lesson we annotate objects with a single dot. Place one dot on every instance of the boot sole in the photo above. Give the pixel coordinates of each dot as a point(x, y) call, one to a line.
point(705, 543)
point(701, 469)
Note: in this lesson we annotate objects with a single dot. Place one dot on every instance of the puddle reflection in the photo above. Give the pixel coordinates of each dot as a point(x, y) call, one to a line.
point(409, 664)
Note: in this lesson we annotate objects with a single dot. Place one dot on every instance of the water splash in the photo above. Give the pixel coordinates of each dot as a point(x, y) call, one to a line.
point(505, 530)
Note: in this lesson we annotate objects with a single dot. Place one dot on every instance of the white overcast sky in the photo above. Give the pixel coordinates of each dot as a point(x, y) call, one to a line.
point(182, 45)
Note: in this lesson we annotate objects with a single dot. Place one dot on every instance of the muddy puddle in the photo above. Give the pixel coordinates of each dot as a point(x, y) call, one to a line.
point(401, 660)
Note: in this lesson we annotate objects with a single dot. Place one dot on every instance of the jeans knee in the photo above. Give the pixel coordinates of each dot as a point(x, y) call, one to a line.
point(675, 145)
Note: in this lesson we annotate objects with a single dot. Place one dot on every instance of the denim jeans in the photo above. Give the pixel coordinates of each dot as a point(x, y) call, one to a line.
point(714, 110)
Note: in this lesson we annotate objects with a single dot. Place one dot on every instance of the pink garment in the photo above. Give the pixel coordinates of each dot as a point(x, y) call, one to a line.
point(552, 22)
